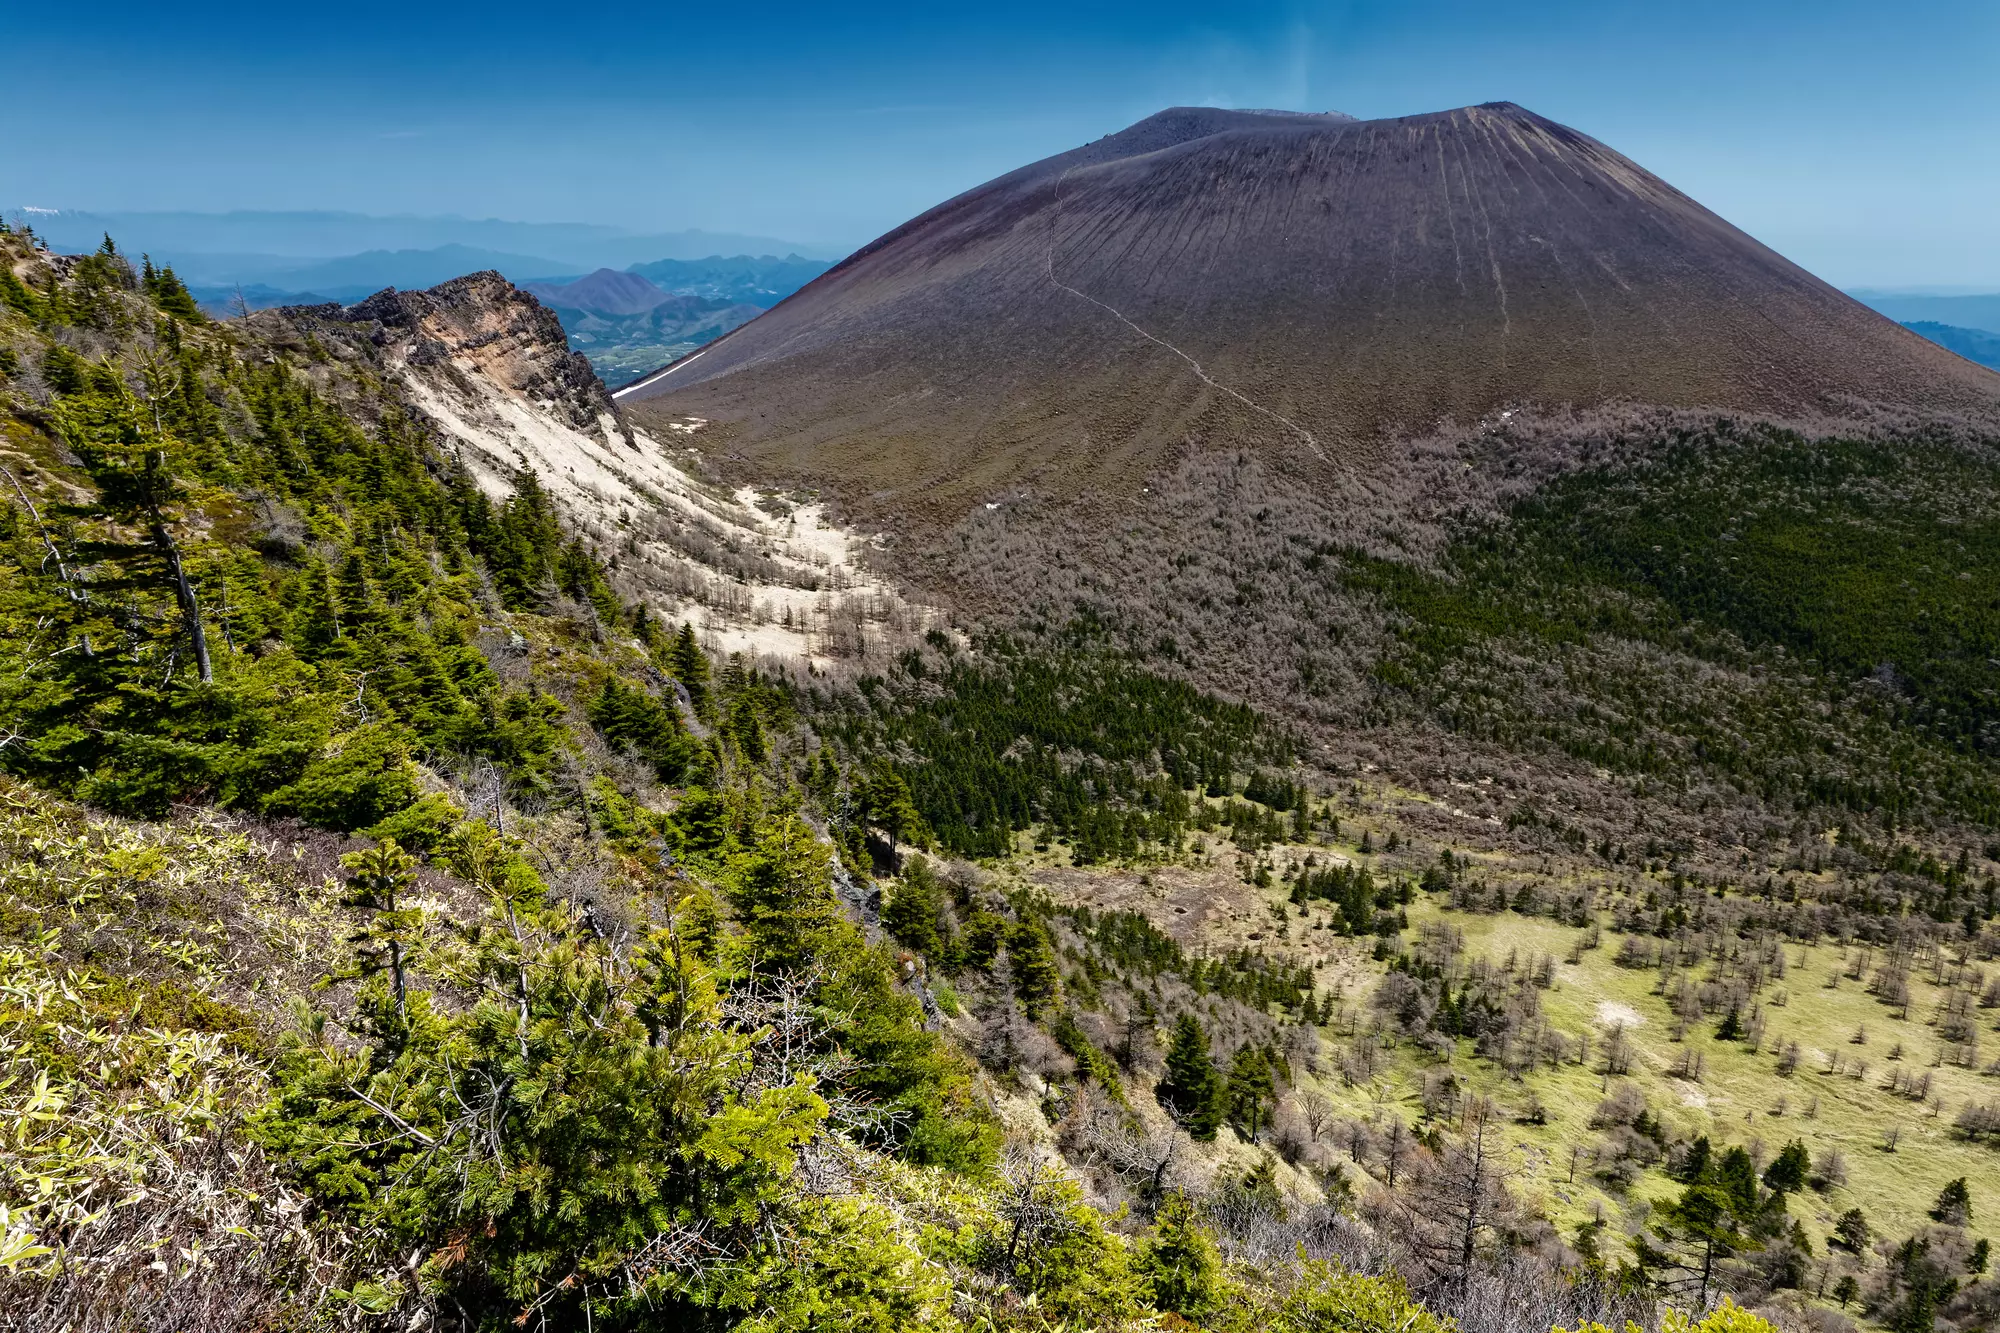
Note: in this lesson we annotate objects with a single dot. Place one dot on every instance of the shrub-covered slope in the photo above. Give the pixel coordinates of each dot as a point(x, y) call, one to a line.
point(238, 593)
point(446, 940)
point(1807, 622)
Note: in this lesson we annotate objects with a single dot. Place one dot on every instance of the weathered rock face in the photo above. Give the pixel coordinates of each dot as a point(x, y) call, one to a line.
point(485, 367)
point(1306, 288)
point(479, 324)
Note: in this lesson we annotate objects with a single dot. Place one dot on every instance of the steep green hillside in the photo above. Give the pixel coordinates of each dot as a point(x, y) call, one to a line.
point(260, 601)
point(400, 929)
point(402, 925)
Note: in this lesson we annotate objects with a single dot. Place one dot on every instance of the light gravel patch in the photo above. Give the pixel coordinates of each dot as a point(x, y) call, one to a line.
point(1612, 1014)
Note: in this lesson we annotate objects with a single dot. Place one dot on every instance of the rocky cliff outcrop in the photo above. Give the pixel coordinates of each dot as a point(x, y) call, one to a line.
point(483, 325)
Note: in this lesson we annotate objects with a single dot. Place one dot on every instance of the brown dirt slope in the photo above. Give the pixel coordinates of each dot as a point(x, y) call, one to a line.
point(1309, 286)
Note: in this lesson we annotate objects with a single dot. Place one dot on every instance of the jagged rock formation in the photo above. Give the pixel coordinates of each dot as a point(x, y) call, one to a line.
point(1305, 286)
point(479, 324)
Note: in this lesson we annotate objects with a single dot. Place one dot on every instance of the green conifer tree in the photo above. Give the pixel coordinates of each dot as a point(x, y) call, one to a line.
point(1918, 1284)
point(138, 467)
point(1851, 1231)
point(886, 804)
point(689, 665)
point(1031, 967)
point(1787, 1172)
point(361, 609)
point(745, 726)
point(314, 625)
point(1707, 1224)
point(1954, 1204)
point(1193, 1090)
point(911, 913)
point(376, 878)
point(823, 777)
point(1180, 1263)
point(782, 892)
point(1251, 1089)
point(167, 291)
point(174, 297)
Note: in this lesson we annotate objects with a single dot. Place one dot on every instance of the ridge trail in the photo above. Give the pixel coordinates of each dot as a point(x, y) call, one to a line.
point(1055, 221)
point(657, 375)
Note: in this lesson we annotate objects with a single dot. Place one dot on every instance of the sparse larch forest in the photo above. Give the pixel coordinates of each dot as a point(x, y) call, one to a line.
point(407, 923)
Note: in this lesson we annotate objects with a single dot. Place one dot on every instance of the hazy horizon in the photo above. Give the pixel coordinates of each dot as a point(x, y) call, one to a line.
point(1859, 142)
point(721, 243)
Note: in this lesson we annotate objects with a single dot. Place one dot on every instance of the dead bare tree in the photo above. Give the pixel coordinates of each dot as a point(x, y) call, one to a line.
point(1145, 1157)
point(1316, 1113)
point(1036, 1204)
point(1454, 1198)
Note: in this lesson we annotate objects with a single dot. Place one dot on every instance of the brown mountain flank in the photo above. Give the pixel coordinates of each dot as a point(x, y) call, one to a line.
point(1306, 286)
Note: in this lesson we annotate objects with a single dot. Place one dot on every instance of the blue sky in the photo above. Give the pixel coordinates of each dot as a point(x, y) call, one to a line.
point(1861, 139)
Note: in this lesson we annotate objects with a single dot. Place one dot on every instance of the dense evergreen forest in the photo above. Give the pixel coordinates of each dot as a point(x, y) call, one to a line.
point(230, 586)
point(261, 598)
point(1071, 740)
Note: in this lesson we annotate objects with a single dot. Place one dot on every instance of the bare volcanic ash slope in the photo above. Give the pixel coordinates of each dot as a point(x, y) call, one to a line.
point(1306, 285)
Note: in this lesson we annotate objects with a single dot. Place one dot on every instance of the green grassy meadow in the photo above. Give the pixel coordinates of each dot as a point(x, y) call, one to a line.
point(1740, 1098)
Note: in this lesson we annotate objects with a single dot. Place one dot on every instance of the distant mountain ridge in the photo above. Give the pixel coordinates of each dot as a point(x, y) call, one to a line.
point(606, 291)
point(1973, 344)
point(405, 269)
point(635, 321)
point(1980, 312)
point(627, 321)
point(325, 234)
point(760, 280)
point(351, 278)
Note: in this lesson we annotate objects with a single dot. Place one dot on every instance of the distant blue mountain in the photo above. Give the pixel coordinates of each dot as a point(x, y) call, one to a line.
point(605, 292)
point(626, 322)
point(271, 241)
point(1972, 344)
point(225, 300)
point(349, 278)
point(761, 280)
point(1980, 312)
point(376, 269)
point(632, 322)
